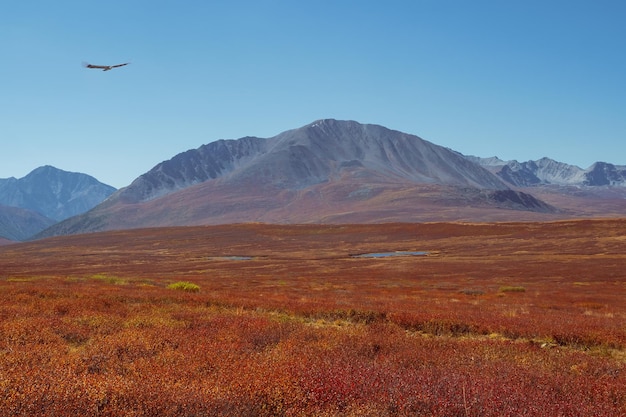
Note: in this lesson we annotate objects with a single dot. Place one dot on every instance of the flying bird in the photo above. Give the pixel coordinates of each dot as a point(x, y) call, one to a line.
point(104, 67)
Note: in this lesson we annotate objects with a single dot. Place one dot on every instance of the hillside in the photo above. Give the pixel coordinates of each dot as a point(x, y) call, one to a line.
point(19, 224)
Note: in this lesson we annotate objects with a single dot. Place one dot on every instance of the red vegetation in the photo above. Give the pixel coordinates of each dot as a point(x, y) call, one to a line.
point(499, 319)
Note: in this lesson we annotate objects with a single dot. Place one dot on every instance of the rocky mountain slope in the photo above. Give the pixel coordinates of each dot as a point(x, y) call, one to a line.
point(327, 171)
point(192, 167)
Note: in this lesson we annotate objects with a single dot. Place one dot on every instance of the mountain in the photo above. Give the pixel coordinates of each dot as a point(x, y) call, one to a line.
point(311, 155)
point(602, 173)
point(546, 171)
point(43, 197)
point(328, 171)
point(19, 224)
point(54, 193)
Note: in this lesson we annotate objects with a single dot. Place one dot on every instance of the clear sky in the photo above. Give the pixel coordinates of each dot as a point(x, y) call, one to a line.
point(520, 79)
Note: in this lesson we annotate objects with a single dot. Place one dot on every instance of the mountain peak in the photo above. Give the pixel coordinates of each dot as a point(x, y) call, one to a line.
point(54, 193)
point(320, 123)
point(605, 174)
point(329, 122)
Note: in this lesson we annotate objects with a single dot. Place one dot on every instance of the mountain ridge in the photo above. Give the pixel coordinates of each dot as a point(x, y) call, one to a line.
point(189, 168)
point(547, 171)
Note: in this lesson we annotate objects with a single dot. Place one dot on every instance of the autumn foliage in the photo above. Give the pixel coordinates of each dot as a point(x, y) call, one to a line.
point(498, 320)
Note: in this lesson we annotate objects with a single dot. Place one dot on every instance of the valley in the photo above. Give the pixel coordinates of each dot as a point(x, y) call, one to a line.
point(263, 319)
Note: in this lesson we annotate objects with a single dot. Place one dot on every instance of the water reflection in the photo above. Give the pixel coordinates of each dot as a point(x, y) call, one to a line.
point(390, 254)
point(231, 258)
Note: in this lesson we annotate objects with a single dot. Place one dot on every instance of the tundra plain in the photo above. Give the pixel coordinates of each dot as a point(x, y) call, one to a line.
point(498, 319)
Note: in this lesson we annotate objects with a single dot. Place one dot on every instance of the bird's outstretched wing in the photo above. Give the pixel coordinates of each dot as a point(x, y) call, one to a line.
point(86, 65)
point(104, 67)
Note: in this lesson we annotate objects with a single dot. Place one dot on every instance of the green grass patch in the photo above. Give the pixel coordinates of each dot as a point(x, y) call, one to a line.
point(21, 279)
point(512, 288)
point(184, 286)
point(109, 279)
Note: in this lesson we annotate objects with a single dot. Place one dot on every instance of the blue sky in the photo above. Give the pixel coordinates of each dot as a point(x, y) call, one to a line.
point(516, 79)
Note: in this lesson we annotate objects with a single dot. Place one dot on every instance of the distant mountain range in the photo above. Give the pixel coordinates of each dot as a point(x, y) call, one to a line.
point(45, 196)
point(328, 171)
point(546, 171)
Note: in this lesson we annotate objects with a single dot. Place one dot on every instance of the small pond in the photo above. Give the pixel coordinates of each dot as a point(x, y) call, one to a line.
point(390, 254)
point(231, 258)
